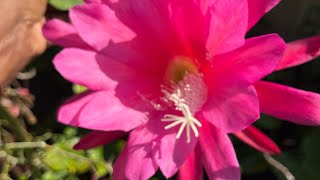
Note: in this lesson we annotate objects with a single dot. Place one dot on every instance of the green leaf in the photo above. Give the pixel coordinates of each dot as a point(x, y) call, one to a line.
point(100, 166)
point(64, 4)
point(59, 159)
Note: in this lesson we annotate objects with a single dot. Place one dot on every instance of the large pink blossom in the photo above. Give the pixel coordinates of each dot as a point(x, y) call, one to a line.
point(177, 74)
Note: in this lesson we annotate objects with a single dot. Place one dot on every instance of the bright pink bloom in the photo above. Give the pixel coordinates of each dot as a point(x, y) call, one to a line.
point(177, 74)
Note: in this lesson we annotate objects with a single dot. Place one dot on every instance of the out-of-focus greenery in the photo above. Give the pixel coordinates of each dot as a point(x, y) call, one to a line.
point(44, 150)
point(64, 4)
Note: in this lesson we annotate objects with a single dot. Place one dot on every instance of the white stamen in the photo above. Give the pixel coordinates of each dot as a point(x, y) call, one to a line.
point(186, 96)
point(187, 120)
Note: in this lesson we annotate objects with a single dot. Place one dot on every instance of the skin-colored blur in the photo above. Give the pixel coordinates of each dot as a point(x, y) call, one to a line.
point(20, 35)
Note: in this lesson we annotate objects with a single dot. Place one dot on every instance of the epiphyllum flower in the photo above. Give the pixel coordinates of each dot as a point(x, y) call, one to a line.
point(171, 72)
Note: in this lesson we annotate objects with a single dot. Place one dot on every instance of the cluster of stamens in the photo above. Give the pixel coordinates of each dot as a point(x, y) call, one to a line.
point(187, 120)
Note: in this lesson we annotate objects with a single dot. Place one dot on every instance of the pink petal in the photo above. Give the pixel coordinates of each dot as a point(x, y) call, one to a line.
point(218, 156)
point(228, 26)
point(173, 153)
point(100, 110)
point(233, 112)
point(191, 26)
point(107, 27)
point(192, 168)
point(259, 8)
point(250, 63)
point(258, 140)
point(170, 153)
point(63, 34)
point(153, 21)
point(294, 105)
point(98, 138)
point(204, 5)
point(300, 51)
point(231, 106)
point(92, 70)
point(136, 160)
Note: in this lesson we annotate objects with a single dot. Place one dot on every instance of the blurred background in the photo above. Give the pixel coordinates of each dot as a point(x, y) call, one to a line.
point(33, 145)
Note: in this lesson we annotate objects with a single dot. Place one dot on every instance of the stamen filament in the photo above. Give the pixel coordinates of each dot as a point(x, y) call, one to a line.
point(174, 124)
point(183, 125)
point(187, 96)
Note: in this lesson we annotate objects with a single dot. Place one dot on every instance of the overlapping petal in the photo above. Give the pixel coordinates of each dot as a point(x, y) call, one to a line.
point(258, 140)
point(298, 106)
point(233, 113)
point(257, 58)
point(63, 34)
point(98, 138)
point(187, 19)
point(136, 160)
point(192, 168)
point(107, 27)
point(230, 106)
point(300, 51)
point(92, 70)
point(218, 156)
point(113, 115)
point(169, 153)
point(228, 26)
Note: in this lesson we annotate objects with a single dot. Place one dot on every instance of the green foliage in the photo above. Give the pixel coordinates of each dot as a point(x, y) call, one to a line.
point(63, 159)
point(64, 4)
point(60, 158)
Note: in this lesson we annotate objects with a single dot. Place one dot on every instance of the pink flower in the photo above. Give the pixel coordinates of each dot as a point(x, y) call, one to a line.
point(178, 75)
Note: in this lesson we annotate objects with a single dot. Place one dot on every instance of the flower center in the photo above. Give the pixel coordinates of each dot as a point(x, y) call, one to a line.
point(186, 92)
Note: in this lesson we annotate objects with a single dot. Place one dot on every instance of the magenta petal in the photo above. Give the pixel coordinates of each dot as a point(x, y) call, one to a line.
point(100, 110)
point(233, 113)
point(98, 138)
point(173, 153)
point(218, 155)
point(92, 70)
point(294, 105)
point(229, 21)
point(231, 106)
point(192, 168)
point(204, 5)
point(136, 160)
point(248, 64)
point(300, 51)
point(107, 27)
point(63, 34)
point(258, 8)
point(191, 26)
point(258, 140)
point(170, 151)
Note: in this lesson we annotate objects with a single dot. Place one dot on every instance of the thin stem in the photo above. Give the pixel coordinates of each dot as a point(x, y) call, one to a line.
point(276, 164)
point(25, 145)
point(15, 125)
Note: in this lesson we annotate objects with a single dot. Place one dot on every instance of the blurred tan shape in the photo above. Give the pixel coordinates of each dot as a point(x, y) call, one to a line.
point(20, 35)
